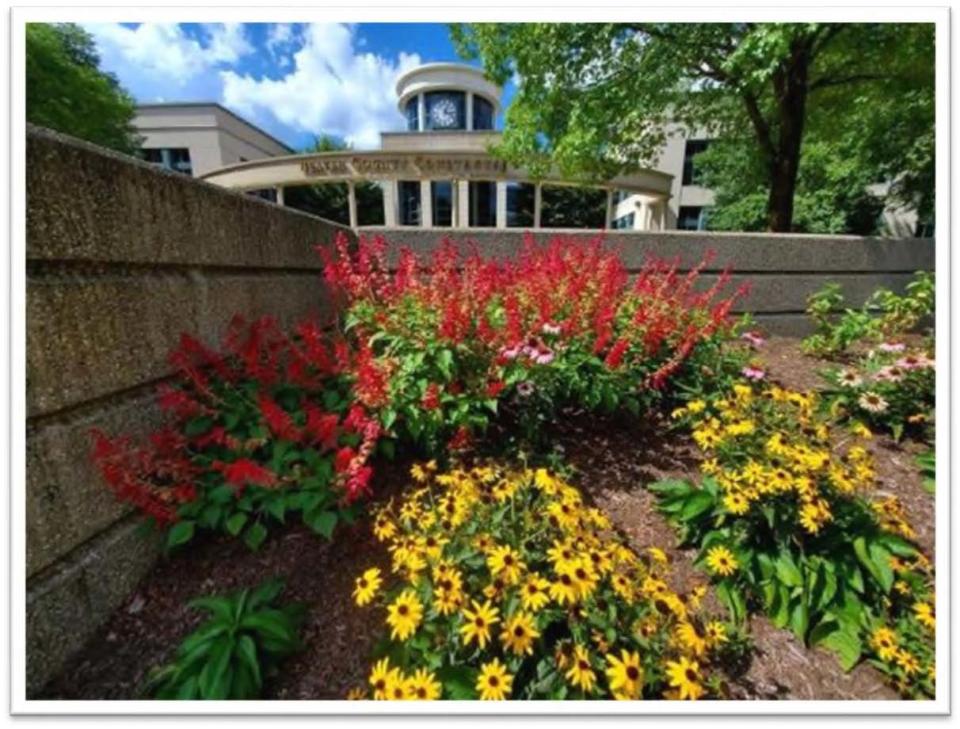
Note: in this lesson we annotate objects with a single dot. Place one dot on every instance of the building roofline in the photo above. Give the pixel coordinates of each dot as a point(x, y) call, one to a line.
point(221, 107)
point(439, 65)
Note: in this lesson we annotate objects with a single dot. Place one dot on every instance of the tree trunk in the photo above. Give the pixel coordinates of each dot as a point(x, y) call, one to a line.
point(790, 88)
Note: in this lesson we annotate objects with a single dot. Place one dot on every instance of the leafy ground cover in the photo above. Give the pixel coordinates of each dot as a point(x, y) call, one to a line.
point(614, 459)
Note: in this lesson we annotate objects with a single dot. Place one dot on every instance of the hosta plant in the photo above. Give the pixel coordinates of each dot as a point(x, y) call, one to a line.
point(259, 430)
point(446, 345)
point(230, 654)
point(783, 519)
point(505, 584)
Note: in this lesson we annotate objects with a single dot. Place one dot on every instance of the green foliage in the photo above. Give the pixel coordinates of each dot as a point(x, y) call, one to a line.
point(842, 105)
point(833, 193)
point(67, 91)
point(781, 521)
point(884, 315)
point(231, 653)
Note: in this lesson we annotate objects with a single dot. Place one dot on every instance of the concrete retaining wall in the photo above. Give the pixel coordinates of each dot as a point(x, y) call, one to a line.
point(783, 269)
point(121, 258)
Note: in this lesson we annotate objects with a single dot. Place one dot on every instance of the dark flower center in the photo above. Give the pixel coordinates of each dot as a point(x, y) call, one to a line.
point(633, 673)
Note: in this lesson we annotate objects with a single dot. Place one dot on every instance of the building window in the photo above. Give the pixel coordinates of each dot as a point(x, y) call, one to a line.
point(441, 200)
point(445, 110)
point(175, 158)
point(483, 204)
point(520, 201)
point(625, 222)
point(693, 148)
point(482, 113)
point(369, 203)
point(412, 112)
point(692, 217)
point(408, 196)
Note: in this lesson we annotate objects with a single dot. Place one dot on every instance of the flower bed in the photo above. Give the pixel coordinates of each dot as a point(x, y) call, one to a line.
point(504, 581)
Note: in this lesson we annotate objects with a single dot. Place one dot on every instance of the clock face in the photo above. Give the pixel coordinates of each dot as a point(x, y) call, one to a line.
point(443, 113)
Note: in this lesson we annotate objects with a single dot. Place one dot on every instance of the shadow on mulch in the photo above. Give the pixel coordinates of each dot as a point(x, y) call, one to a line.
point(338, 636)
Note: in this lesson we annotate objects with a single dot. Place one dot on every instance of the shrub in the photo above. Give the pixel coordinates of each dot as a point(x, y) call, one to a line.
point(228, 656)
point(447, 345)
point(782, 520)
point(509, 586)
point(884, 315)
point(261, 429)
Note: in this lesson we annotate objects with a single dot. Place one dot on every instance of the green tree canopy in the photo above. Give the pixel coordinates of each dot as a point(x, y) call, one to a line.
point(594, 99)
point(67, 91)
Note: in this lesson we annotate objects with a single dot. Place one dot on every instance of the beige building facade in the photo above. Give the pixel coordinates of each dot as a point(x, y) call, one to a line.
point(197, 138)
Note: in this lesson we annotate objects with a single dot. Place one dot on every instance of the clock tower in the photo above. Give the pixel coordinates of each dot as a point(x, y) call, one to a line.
point(440, 97)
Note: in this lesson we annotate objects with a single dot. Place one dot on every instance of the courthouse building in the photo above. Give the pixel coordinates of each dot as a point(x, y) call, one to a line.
point(437, 172)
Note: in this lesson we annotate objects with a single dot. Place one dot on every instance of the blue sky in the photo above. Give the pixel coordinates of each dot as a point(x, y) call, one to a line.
point(293, 80)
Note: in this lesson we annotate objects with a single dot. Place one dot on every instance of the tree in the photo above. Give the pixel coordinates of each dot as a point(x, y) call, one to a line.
point(594, 99)
point(67, 91)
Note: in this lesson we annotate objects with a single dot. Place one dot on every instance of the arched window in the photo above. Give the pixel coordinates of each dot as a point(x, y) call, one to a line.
point(482, 113)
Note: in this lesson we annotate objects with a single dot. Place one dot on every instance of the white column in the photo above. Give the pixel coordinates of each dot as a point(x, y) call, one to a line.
point(501, 204)
point(421, 113)
point(426, 205)
point(463, 203)
point(390, 203)
point(279, 195)
point(609, 222)
point(537, 204)
point(352, 203)
point(643, 215)
point(469, 119)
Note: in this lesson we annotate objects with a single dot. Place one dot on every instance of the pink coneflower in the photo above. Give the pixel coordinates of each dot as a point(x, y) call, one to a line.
point(890, 373)
point(510, 352)
point(872, 402)
point(753, 338)
point(849, 378)
point(915, 362)
point(525, 389)
point(753, 373)
point(543, 356)
point(892, 347)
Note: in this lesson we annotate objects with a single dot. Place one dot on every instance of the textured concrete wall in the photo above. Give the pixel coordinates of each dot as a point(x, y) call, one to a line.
point(783, 269)
point(121, 258)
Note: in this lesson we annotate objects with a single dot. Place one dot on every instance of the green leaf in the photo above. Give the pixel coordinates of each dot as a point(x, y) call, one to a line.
point(247, 650)
point(787, 571)
point(180, 533)
point(324, 523)
point(255, 535)
point(696, 504)
point(197, 426)
point(846, 645)
point(235, 523)
point(459, 682)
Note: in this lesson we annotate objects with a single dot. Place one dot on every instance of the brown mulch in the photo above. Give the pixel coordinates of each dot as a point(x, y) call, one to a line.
point(338, 638)
point(615, 460)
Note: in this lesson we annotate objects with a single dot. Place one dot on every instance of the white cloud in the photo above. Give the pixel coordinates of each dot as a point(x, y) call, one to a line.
point(165, 51)
point(333, 88)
